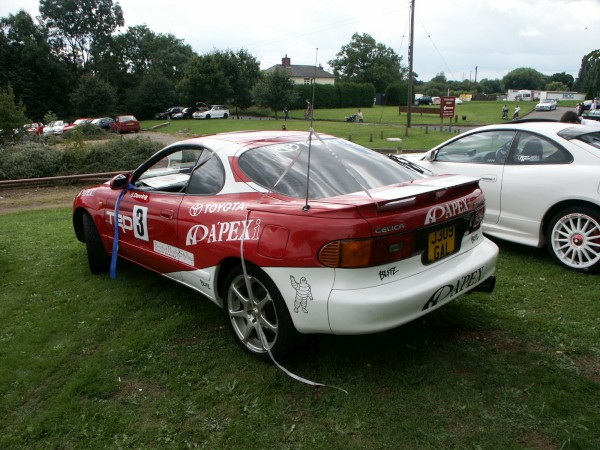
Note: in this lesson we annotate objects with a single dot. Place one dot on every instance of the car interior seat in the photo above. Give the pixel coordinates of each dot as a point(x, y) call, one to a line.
point(532, 151)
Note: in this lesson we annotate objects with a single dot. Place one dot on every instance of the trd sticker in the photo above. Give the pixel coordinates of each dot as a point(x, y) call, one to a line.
point(174, 253)
point(303, 293)
point(125, 222)
point(224, 232)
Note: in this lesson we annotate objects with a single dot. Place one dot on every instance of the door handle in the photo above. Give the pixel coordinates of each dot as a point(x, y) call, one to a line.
point(489, 178)
point(167, 213)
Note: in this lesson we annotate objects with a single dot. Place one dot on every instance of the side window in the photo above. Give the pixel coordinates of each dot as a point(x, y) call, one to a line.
point(533, 149)
point(171, 173)
point(487, 147)
point(208, 176)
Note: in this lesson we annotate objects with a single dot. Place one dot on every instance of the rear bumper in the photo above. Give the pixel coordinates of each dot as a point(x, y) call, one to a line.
point(383, 307)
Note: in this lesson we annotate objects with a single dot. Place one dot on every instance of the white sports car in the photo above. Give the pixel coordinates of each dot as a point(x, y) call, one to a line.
point(541, 182)
point(547, 104)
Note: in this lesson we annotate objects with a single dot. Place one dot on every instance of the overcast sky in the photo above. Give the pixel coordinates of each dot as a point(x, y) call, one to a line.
point(451, 36)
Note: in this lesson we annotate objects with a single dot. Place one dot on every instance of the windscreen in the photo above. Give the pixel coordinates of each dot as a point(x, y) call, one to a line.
point(337, 167)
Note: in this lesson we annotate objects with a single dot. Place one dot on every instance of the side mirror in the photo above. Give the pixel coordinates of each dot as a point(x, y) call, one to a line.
point(431, 156)
point(119, 182)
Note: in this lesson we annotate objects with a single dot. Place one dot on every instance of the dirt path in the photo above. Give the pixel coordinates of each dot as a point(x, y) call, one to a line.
point(14, 199)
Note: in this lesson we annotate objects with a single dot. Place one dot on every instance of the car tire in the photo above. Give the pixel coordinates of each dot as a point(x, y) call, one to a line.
point(264, 308)
point(573, 239)
point(98, 258)
point(225, 116)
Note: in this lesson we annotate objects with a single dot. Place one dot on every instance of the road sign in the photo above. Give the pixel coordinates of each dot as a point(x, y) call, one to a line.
point(447, 107)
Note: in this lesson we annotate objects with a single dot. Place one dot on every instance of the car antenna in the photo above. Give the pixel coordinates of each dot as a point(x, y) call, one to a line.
point(310, 112)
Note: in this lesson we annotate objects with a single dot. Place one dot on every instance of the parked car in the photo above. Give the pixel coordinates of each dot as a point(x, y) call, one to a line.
point(541, 184)
point(229, 215)
point(436, 100)
point(425, 100)
point(546, 104)
point(103, 122)
point(76, 123)
point(592, 115)
point(55, 127)
point(34, 129)
point(169, 112)
point(215, 112)
point(124, 124)
point(185, 114)
point(457, 101)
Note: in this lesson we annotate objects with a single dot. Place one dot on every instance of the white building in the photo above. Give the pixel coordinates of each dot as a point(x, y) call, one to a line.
point(303, 74)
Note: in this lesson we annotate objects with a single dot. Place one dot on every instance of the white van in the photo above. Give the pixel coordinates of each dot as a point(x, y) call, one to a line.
point(524, 95)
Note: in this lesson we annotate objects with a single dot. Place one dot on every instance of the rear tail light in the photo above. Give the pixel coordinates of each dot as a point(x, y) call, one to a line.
point(477, 219)
point(355, 253)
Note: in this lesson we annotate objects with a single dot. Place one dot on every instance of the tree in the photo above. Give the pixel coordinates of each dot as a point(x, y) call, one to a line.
point(589, 74)
point(153, 94)
point(243, 71)
point(524, 78)
point(204, 79)
point(38, 78)
point(364, 60)
point(77, 28)
point(94, 97)
point(275, 91)
point(565, 79)
point(556, 86)
point(12, 116)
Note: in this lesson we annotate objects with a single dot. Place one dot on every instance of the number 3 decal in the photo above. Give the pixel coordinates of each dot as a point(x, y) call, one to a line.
point(140, 220)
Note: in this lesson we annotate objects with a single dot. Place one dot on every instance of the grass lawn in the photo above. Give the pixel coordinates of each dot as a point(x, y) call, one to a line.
point(141, 362)
point(381, 123)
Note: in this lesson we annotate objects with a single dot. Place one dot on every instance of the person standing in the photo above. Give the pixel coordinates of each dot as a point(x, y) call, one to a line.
point(517, 111)
point(505, 112)
point(359, 114)
point(308, 110)
point(286, 113)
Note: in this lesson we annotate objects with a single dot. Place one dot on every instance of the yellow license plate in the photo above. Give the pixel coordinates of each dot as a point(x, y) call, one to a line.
point(441, 243)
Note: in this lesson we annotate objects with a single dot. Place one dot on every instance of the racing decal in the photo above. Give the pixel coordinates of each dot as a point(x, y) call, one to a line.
point(174, 253)
point(209, 208)
point(303, 293)
point(140, 229)
point(140, 196)
point(388, 273)
point(450, 291)
point(447, 211)
point(125, 222)
point(224, 232)
point(87, 193)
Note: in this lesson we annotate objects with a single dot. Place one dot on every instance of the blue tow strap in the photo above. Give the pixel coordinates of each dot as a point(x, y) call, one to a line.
point(115, 249)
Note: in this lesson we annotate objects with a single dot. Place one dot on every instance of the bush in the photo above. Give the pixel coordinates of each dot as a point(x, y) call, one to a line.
point(36, 160)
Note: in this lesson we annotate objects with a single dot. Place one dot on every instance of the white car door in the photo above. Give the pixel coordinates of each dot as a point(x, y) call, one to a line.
point(480, 155)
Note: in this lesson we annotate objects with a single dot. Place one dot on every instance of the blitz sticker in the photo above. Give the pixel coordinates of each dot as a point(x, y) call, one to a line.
point(303, 294)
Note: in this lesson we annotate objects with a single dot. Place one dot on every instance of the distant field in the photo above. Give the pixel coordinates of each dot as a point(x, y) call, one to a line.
point(381, 123)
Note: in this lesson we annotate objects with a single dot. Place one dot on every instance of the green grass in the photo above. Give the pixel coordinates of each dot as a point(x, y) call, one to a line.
point(141, 362)
point(381, 123)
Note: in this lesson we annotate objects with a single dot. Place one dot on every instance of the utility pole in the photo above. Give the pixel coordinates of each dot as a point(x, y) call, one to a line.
point(410, 65)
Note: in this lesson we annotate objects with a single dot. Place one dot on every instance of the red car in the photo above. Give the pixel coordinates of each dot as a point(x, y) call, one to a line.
point(76, 123)
point(125, 124)
point(34, 129)
point(293, 233)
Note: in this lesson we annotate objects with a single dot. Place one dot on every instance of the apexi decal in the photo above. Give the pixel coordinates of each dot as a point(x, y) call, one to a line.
point(139, 196)
point(209, 208)
point(174, 253)
point(449, 291)
point(390, 228)
point(224, 231)
point(446, 211)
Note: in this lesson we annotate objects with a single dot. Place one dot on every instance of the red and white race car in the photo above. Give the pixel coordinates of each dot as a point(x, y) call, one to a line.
point(293, 233)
